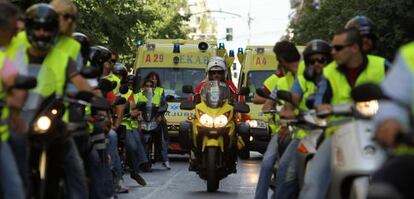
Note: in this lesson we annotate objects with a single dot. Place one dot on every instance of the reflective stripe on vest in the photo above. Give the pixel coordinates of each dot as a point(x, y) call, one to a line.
point(341, 90)
point(69, 46)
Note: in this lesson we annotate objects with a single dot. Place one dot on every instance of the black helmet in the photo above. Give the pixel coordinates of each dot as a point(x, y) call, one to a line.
point(363, 24)
point(120, 69)
point(85, 44)
point(317, 46)
point(98, 56)
point(42, 15)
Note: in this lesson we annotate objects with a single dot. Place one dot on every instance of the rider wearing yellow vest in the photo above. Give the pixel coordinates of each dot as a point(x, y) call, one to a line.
point(289, 58)
point(351, 68)
point(53, 69)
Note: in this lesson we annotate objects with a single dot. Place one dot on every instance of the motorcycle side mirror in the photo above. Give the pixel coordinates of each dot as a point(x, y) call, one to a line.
point(123, 89)
point(140, 105)
point(241, 108)
point(262, 93)
point(245, 91)
point(89, 72)
point(25, 82)
point(169, 98)
point(106, 85)
point(188, 89)
point(187, 105)
point(84, 95)
point(163, 108)
point(100, 103)
point(310, 101)
point(367, 92)
point(285, 95)
point(119, 101)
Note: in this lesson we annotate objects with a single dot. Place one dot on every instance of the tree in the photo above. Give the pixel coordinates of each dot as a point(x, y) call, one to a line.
point(333, 15)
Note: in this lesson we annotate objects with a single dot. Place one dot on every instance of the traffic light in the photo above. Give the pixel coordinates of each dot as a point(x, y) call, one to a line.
point(229, 34)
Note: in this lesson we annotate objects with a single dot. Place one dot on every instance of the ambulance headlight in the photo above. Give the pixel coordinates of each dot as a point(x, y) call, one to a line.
point(367, 108)
point(206, 121)
point(42, 124)
point(220, 121)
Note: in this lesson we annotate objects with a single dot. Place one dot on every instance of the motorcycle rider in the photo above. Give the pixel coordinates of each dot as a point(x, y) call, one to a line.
point(11, 183)
point(288, 57)
point(366, 29)
point(394, 120)
point(351, 67)
point(316, 55)
point(155, 78)
point(52, 69)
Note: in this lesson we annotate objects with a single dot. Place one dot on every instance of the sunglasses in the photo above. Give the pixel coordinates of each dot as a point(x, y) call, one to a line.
point(338, 48)
point(318, 60)
point(47, 27)
point(68, 16)
point(216, 72)
point(148, 85)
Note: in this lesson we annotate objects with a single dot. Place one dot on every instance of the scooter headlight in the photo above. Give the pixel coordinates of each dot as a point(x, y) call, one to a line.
point(42, 124)
point(368, 108)
point(206, 120)
point(220, 121)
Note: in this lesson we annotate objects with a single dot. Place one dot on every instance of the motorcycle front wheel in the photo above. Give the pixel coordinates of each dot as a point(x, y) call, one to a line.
point(212, 178)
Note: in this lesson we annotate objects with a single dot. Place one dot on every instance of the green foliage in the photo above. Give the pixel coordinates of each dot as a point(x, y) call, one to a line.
point(117, 24)
point(387, 15)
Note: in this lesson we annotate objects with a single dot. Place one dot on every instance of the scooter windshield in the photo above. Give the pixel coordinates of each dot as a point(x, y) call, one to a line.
point(215, 93)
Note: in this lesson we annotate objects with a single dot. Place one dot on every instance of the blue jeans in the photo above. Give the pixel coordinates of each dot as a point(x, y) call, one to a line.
point(135, 149)
point(317, 178)
point(19, 145)
point(113, 153)
point(11, 185)
point(287, 185)
point(96, 174)
point(75, 177)
point(266, 168)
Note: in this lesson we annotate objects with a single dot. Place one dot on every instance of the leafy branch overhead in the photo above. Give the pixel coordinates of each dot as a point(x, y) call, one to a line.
point(388, 17)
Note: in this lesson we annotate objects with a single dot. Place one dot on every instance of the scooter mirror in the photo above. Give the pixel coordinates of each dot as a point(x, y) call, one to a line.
point(141, 105)
point(100, 103)
point(262, 93)
point(84, 95)
point(187, 89)
point(163, 108)
point(285, 95)
point(187, 105)
point(367, 92)
point(123, 89)
point(169, 98)
point(25, 82)
point(106, 85)
point(241, 108)
point(245, 91)
point(119, 101)
point(89, 72)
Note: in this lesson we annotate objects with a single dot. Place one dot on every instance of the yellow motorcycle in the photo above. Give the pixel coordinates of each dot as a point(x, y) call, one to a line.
point(213, 132)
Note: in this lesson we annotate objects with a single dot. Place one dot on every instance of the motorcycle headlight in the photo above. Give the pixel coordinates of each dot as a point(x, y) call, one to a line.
point(220, 121)
point(206, 120)
point(368, 108)
point(42, 124)
point(252, 123)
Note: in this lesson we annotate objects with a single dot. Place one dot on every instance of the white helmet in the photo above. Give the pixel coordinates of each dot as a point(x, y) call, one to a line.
point(216, 64)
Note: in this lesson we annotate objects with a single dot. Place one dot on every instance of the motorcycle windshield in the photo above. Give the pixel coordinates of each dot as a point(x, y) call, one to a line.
point(215, 93)
point(149, 110)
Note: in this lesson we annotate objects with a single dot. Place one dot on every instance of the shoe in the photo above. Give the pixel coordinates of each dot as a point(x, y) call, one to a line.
point(145, 167)
point(166, 165)
point(120, 188)
point(139, 179)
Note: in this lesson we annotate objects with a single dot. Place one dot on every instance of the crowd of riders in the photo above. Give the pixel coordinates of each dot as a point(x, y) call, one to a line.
point(97, 138)
point(96, 145)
